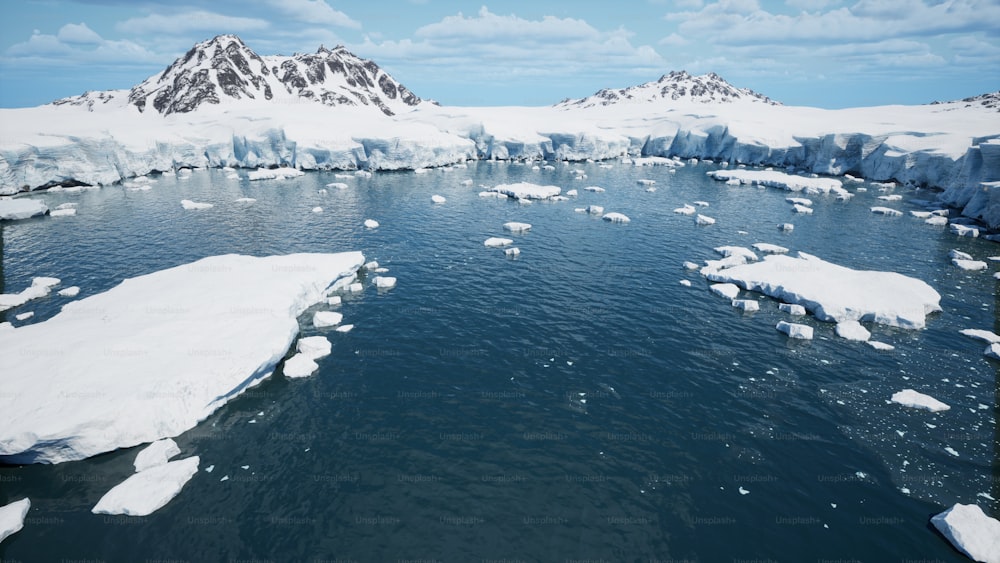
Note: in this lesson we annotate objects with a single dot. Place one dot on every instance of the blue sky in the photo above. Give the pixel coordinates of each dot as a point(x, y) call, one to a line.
point(825, 53)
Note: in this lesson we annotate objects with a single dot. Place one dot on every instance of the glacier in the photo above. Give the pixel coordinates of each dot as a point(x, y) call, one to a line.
point(333, 111)
point(128, 374)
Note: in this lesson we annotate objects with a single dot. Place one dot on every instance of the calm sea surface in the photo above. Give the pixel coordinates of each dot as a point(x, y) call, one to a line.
point(574, 403)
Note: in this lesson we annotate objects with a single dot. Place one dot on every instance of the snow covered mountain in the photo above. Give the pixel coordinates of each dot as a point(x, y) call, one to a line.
point(223, 70)
point(678, 86)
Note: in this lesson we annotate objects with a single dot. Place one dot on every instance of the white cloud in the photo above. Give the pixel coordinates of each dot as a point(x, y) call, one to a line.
point(78, 33)
point(511, 44)
point(190, 21)
point(673, 40)
point(316, 12)
point(73, 47)
point(810, 5)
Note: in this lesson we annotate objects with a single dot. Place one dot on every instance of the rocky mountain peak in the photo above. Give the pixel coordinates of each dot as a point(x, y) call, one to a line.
point(674, 86)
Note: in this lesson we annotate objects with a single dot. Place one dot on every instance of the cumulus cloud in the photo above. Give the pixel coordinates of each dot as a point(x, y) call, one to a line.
point(190, 21)
point(77, 44)
point(316, 12)
point(515, 45)
point(78, 33)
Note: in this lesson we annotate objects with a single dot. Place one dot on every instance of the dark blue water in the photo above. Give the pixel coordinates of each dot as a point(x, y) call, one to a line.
point(575, 403)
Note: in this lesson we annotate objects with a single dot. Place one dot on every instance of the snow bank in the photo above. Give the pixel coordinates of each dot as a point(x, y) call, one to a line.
point(835, 293)
point(12, 209)
point(971, 531)
point(12, 517)
point(153, 356)
point(149, 490)
point(913, 399)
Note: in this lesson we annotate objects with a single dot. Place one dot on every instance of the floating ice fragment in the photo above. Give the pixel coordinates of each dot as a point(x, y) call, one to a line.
point(686, 210)
point(157, 453)
point(852, 330)
point(971, 531)
point(516, 227)
point(344, 328)
point(512, 252)
point(727, 290)
point(913, 399)
point(747, 305)
point(438, 199)
point(787, 227)
point(12, 517)
point(497, 242)
point(794, 330)
point(704, 220)
point(147, 491)
point(615, 217)
point(314, 347)
point(685, 283)
point(384, 282)
point(371, 224)
point(193, 205)
point(887, 211)
point(324, 319)
point(300, 365)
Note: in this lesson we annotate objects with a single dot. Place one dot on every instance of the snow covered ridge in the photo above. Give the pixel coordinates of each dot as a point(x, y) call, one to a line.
point(224, 69)
point(153, 356)
point(677, 85)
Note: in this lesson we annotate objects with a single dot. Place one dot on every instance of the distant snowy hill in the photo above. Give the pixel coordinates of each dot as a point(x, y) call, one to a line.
point(223, 70)
point(678, 86)
point(221, 104)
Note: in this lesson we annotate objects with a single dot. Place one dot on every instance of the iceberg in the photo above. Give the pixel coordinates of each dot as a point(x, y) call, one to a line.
point(913, 399)
point(139, 375)
point(12, 517)
point(616, 217)
point(794, 330)
point(157, 453)
point(497, 242)
point(516, 227)
point(147, 491)
point(835, 293)
point(775, 179)
point(526, 190)
point(971, 531)
point(887, 211)
point(15, 209)
point(193, 205)
point(727, 290)
point(299, 365)
point(323, 319)
point(685, 283)
point(572, 193)
point(40, 287)
point(852, 330)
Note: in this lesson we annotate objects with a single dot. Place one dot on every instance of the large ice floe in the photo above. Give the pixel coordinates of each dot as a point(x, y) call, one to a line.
point(153, 356)
point(12, 517)
point(14, 209)
point(148, 490)
point(782, 180)
point(835, 293)
point(526, 190)
point(971, 531)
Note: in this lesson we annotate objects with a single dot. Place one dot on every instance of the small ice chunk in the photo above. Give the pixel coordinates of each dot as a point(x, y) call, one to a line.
point(338, 185)
point(497, 242)
point(686, 210)
point(794, 330)
point(727, 290)
point(516, 227)
point(300, 365)
point(802, 209)
point(24, 316)
point(852, 330)
point(799, 201)
point(149, 490)
point(993, 351)
point(356, 287)
point(314, 347)
point(787, 227)
point(971, 531)
point(384, 282)
point(188, 204)
point(911, 398)
point(921, 214)
point(572, 193)
point(686, 283)
point(964, 230)
point(157, 453)
point(344, 328)
point(743, 491)
point(747, 305)
point(704, 220)
point(371, 266)
point(371, 224)
point(12, 517)
point(317, 209)
point(438, 199)
point(324, 319)
point(887, 211)
point(246, 200)
point(210, 469)
point(12, 209)
point(959, 255)
point(937, 221)
point(646, 182)
point(688, 265)
point(616, 217)
point(63, 212)
point(743, 251)
point(701, 203)
point(970, 265)
point(894, 197)
point(595, 189)
point(984, 335)
point(595, 209)
point(512, 251)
